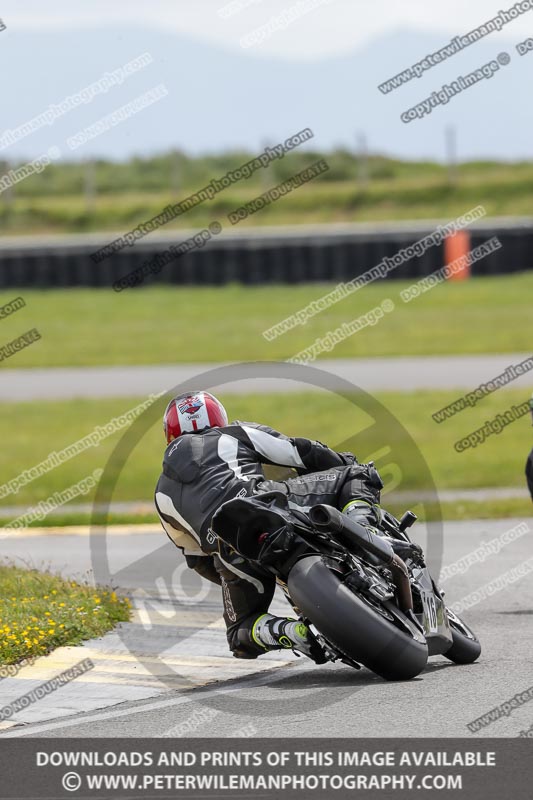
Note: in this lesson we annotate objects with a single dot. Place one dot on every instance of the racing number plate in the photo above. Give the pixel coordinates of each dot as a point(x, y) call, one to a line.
point(430, 611)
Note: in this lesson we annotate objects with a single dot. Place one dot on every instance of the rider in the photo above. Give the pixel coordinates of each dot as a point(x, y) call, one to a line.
point(209, 461)
point(529, 462)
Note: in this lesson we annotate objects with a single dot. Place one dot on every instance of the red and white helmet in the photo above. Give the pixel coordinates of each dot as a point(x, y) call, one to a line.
point(191, 412)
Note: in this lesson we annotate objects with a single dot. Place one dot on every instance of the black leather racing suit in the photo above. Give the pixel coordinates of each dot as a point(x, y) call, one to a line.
point(529, 473)
point(203, 470)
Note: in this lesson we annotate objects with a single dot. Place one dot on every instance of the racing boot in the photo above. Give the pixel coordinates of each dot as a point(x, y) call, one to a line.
point(278, 633)
point(365, 513)
point(369, 515)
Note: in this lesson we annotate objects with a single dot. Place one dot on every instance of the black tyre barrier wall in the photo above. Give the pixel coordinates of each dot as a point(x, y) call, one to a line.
point(252, 258)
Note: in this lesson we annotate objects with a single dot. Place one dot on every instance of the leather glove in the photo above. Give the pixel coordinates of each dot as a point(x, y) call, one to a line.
point(407, 550)
point(348, 458)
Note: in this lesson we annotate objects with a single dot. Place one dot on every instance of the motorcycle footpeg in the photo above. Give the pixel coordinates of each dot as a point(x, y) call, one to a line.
point(330, 652)
point(327, 652)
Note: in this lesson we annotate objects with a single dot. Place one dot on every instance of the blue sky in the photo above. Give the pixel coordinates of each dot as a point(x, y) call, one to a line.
point(321, 71)
point(336, 27)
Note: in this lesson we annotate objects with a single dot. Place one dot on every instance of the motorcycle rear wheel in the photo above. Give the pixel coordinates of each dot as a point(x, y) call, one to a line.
point(352, 625)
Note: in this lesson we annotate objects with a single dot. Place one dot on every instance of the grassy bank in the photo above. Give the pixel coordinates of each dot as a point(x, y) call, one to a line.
point(85, 327)
point(36, 429)
point(54, 201)
point(499, 508)
point(40, 611)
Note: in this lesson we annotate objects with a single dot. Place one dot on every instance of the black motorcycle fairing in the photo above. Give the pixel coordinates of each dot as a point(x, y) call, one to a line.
point(248, 524)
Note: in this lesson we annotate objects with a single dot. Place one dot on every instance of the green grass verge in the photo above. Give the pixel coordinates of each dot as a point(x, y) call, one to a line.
point(35, 429)
point(466, 509)
point(413, 192)
point(427, 512)
point(40, 611)
point(168, 324)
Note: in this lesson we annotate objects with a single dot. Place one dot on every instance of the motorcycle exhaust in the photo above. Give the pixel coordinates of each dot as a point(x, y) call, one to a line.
point(326, 517)
point(400, 577)
point(329, 518)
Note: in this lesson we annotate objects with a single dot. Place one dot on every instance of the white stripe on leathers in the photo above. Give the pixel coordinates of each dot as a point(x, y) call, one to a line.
point(186, 537)
point(279, 451)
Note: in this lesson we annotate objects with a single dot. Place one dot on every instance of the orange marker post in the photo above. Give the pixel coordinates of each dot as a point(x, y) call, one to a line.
point(456, 250)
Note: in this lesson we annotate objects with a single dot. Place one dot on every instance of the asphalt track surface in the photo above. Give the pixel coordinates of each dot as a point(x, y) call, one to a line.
point(299, 699)
point(376, 374)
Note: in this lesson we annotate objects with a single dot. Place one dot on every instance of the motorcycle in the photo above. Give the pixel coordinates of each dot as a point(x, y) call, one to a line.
point(368, 598)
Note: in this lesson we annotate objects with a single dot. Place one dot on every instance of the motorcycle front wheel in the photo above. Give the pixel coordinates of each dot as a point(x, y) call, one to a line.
point(465, 648)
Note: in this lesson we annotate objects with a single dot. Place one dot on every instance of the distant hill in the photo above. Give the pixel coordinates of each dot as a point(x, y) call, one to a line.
point(220, 99)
